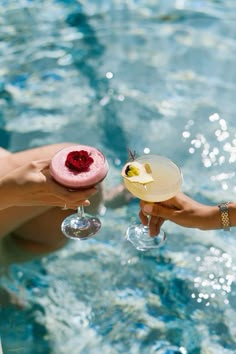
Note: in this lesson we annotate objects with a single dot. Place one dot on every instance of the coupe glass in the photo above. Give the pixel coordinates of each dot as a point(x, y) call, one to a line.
point(79, 226)
point(167, 182)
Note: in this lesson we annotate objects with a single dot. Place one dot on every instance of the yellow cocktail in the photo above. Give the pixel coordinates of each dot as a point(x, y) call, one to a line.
point(152, 178)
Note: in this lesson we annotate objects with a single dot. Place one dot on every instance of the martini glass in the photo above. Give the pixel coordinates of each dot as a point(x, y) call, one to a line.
point(167, 181)
point(79, 226)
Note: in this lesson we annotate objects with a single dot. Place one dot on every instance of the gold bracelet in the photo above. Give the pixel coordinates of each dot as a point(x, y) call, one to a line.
point(224, 214)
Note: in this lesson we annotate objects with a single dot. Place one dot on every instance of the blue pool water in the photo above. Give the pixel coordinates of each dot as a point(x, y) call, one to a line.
point(148, 75)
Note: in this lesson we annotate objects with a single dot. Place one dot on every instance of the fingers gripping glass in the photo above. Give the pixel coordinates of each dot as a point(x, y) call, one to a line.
point(138, 235)
point(167, 181)
point(79, 225)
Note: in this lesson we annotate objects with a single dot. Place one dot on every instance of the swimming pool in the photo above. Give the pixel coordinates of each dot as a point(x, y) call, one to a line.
point(157, 75)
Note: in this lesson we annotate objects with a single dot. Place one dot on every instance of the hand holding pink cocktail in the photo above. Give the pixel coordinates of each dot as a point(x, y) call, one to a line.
point(79, 167)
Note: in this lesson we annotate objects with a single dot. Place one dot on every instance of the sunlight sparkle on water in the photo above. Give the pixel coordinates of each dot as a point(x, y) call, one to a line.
point(121, 98)
point(146, 150)
point(117, 161)
point(217, 152)
point(109, 75)
point(218, 284)
point(182, 350)
point(186, 134)
point(214, 117)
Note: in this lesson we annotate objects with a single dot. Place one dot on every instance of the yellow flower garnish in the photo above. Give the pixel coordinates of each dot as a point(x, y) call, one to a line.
point(137, 172)
point(133, 171)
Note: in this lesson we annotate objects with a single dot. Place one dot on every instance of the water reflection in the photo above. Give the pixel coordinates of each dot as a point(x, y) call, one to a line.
point(154, 77)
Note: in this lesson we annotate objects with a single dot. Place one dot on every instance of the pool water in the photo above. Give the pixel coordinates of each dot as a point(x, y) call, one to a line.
point(153, 76)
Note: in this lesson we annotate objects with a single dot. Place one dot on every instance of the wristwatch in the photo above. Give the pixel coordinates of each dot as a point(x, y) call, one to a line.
point(224, 214)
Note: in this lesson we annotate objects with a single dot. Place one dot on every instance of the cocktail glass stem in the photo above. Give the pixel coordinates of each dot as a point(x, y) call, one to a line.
point(80, 211)
point(146, 229)
point(138, 235)
point(80, 225)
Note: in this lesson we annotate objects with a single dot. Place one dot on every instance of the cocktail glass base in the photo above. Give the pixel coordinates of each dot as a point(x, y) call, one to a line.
point(138, 235)
point(80, 227)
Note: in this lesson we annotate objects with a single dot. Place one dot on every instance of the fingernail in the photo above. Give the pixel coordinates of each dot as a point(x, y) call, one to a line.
point(147, 209)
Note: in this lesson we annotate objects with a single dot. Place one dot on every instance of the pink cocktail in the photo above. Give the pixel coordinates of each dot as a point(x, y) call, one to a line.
point(79, 167)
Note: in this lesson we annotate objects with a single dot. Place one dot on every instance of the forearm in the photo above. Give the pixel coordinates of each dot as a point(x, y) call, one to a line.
point(11, 161)
point(206, 217)
point(187, 212)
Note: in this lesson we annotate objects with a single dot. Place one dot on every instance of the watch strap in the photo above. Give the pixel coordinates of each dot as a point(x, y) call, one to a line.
point(224, 215)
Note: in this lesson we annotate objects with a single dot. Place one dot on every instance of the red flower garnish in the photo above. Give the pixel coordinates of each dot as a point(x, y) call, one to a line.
point(78, 161)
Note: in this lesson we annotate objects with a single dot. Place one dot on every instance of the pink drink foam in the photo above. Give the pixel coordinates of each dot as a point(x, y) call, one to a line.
point(96, 173)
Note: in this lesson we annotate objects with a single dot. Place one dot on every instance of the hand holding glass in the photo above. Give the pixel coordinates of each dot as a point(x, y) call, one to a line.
point(79, 167)
point(167, 181)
